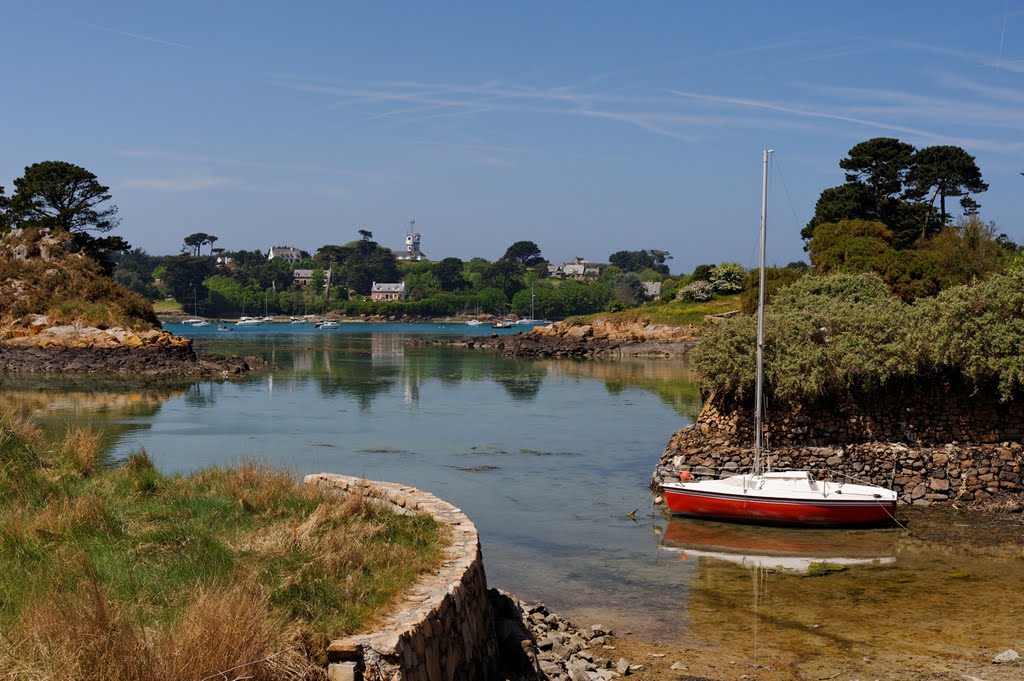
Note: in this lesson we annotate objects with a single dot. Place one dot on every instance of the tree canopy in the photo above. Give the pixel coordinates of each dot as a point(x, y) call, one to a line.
point(525, 253)
point(357, 264)
point(197, 240)
point(63, 196)
point(894, 183)
point(636, 261)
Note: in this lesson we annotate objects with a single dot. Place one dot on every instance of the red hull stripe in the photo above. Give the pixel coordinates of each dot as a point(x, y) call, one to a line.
point(739, 507)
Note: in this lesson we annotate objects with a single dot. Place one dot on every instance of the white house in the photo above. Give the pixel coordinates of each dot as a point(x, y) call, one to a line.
point(384, 291)
point(286, 253)
point(578, 268)
point(652, 289)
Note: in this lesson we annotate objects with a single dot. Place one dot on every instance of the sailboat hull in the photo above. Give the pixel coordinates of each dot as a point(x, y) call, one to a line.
point(797, 501)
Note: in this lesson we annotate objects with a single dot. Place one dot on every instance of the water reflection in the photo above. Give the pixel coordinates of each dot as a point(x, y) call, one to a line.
point(338, 363)
point(799, 550)
point(78, 397)
point(799, 601)
point(116, 407)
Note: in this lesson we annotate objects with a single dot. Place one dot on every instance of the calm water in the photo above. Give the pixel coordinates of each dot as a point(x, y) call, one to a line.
point(547, 458)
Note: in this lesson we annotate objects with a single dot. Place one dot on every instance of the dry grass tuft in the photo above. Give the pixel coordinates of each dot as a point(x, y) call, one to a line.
point(223, 633)
point(22, 430)
point(64, 515)
point(83, 449)
point(229, 633)
point(257, 487)
point(81, 636)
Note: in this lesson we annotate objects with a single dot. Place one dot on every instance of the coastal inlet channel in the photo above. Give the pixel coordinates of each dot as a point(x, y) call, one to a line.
point(549, 458)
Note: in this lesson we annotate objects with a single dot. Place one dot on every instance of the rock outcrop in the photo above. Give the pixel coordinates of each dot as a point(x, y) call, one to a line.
point(59, 312)
point(111, 351)
point(597, 339)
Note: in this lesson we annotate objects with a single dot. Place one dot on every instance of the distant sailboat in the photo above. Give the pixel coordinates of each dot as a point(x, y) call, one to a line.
point(197, 320)
point(532, 320)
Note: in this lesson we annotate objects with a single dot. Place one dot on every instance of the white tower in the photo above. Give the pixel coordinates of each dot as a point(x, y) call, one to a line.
point(412, 242)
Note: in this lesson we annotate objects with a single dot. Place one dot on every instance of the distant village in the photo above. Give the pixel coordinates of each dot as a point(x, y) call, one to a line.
point(578, 269)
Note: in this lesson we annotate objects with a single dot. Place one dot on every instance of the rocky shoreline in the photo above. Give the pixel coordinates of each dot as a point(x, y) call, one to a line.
point(598, 339)
point(116, 351)
point(535, 643)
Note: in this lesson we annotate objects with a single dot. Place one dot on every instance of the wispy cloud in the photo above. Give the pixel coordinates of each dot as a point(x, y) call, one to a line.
point(687, 116)
point(424, 101)
point(176, 156)
point(179, 184)
point(136, 36)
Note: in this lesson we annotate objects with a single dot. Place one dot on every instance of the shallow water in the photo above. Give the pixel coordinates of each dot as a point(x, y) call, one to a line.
point(548, 458)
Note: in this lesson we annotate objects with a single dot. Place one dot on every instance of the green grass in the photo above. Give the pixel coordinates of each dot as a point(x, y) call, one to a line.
point(674, 313)
point(87, 549)
point(166, 306)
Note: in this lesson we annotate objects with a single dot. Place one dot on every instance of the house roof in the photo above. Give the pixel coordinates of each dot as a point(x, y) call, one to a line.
point(388, 287)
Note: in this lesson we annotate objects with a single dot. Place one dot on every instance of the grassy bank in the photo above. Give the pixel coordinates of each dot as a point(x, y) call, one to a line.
point(673, 313)
point(126, 573)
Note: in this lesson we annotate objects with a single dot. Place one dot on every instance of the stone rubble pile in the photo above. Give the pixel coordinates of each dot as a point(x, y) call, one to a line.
point(536, 643)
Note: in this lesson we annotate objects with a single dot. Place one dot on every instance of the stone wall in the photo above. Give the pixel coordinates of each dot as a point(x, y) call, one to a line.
point(443, 628)
point(720, 443)
point(936, 412)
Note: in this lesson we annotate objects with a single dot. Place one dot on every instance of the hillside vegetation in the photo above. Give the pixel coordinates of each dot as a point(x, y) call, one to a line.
point(43, 284)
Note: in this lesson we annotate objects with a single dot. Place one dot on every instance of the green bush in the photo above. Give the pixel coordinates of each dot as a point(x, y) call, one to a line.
point(845, 332)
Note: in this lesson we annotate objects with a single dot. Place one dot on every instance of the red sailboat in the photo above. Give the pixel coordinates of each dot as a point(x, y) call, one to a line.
point(778, 497)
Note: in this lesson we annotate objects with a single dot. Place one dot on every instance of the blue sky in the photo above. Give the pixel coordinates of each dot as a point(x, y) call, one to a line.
point(587, 127)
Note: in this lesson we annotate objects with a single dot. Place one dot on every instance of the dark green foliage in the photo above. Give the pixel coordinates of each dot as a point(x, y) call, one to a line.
point(635, 261)
point(5, 213)
point(134, 270)
point(888, 181)
point(846, 332)
point(880, 164)
point(524, 253)
point(62, 196)
point(564, 300)
point(628, 290)
point(357, 264)
point(702, 273)
point(775, 278)
point(199, 239)
point(184, 277)
point(849, 245)
point(957, 255)
point(943, 171)
point(448, 273)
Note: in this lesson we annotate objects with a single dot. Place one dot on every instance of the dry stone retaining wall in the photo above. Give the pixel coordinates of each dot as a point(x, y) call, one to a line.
point(930, 413)
point(920, 475)
point(443, 628)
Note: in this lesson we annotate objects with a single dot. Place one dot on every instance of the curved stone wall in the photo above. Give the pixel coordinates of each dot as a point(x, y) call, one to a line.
point(443, 628)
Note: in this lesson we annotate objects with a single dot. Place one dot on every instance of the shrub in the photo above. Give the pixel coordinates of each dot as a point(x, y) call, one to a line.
point(728, 277)
point(696, 292)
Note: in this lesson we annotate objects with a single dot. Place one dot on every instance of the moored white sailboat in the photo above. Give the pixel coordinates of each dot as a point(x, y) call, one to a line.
point(778, 497)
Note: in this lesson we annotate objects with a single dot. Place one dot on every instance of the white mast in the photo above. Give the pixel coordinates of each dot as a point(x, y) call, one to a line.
point(758, 397)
